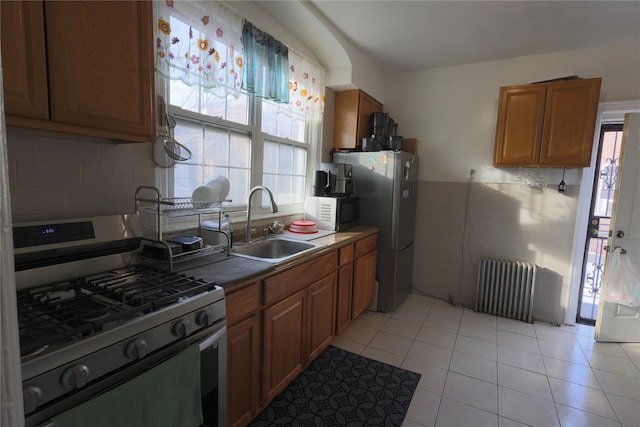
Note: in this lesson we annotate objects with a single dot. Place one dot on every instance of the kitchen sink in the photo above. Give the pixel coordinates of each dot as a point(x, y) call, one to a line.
point(274, 250)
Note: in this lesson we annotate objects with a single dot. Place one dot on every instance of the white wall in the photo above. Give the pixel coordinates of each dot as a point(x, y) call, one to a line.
point(453, 110)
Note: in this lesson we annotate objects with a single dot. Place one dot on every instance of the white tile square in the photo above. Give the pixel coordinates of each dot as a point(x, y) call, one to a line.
point(423, 408)
point(581, 397)
point(432, 379)
point(401, 328)
point(483, 333)
point(571, 372)
point(456, 414)
point(609, 348)
point(410, 314)
point(627, 410)
point(382, 356)
point(348, 345)
point(521, 359)
point(516, 326)
point(480, 319)
point(477, 348)
point(506, 422)
point(527, 409)
point(521, 342)
point(391, 343)
point(604, 362)
point(553, 333)
point(524, 381)
point(473, 392)
point(619, 384)
point(563, 351)
point(436, 337)
point(575, 417)
point(472, 366)
point(430, 354)
point(442, 323)
point(444, 309)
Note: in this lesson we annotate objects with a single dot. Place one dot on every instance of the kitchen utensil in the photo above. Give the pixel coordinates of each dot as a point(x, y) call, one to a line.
point(306, 227)
point(204, 196)
point(166, 150)
point(188, 243)
point(277, 227)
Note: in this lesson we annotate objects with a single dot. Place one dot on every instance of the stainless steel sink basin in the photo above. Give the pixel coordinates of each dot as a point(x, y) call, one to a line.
point(273, 250)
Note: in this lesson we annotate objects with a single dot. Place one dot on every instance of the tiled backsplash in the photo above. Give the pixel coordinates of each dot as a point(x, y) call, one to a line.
point(511, 221)
point(53, 178)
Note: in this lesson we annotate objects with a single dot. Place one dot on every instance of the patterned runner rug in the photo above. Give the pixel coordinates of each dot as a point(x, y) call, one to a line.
point(340, 388)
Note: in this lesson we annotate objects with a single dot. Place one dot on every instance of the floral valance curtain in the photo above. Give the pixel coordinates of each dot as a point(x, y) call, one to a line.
point(266, 68)
point(199, 43)
point(306, 88)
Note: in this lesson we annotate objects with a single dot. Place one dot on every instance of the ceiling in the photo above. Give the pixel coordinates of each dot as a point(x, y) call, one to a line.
point(413, 35)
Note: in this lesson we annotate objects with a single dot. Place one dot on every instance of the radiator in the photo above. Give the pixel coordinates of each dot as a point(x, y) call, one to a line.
point(505, 288)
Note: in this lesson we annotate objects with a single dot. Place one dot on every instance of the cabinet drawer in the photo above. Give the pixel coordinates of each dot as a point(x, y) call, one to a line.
point(242, 303)
point(366, 245)
point(284, 284)
point(346, 255)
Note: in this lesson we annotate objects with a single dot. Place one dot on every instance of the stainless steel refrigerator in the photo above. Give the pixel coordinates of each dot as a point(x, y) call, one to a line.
point(386, 182)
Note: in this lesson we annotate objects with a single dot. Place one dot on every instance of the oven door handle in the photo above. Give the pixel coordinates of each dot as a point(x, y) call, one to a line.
point(209, 341)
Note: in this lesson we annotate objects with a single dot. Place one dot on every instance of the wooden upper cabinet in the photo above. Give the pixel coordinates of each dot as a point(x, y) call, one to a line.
point(24, 70)
point(351, 117)
point(98, 64)
point(547, 124)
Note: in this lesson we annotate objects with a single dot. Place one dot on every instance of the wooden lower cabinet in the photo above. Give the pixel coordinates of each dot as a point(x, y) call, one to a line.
point(283, 355)
point(364, 279)
point(321, 318)
point(345, 298)
point(244, 354)
point(243, 371)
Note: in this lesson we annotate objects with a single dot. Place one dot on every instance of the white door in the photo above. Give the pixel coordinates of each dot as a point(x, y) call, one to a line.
point(615, 322)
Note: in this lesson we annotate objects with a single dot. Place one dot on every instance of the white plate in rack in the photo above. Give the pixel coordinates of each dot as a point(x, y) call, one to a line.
point(306, 236)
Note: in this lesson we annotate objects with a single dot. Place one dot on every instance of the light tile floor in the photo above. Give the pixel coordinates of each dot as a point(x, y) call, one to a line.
point(483, 370)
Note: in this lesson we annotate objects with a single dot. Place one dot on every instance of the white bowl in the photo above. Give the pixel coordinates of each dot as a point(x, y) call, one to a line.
point(221, 185)
point(204, 196)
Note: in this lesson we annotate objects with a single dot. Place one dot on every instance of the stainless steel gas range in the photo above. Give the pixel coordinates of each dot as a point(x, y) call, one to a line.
point(93, 316)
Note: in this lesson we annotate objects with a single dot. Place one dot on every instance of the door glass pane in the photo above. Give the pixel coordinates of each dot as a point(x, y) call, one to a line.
point(599, 222)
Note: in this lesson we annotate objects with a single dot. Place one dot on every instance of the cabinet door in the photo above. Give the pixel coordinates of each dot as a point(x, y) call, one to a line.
point(284, 354)
point(24, 70)
point(243, 371)
point(100, 64)
point(364, 278)
point(569, 122)
point(366, 106)
point(321, 315)
point(344, 297)
point(352, 109)
point(519, 125)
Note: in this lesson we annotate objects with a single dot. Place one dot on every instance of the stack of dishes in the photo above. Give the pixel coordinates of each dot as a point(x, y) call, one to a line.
point(304, 227)
point(214, 192)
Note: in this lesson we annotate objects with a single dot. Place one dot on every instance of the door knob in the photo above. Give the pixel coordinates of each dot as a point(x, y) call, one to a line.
point(619, 234)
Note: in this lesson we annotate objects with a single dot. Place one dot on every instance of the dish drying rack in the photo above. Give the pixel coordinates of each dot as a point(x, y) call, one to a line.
point(174, 207)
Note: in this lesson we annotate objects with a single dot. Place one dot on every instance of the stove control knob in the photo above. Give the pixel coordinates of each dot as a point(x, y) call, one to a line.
point(182, 328)
point(205, 317)
point(136, 349)
point(31, 396)
point(75, 376)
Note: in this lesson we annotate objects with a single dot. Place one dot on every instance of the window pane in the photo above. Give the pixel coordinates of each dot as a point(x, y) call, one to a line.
point(270, 154)
point(284, 171)
point(211, 148)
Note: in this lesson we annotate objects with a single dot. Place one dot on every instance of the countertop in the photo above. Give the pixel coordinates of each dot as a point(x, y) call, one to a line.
point(234, 273)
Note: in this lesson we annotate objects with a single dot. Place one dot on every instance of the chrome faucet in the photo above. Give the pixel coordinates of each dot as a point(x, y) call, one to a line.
point(274, 209)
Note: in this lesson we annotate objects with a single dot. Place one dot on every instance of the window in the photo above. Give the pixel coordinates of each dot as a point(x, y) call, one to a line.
point(249, 140)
